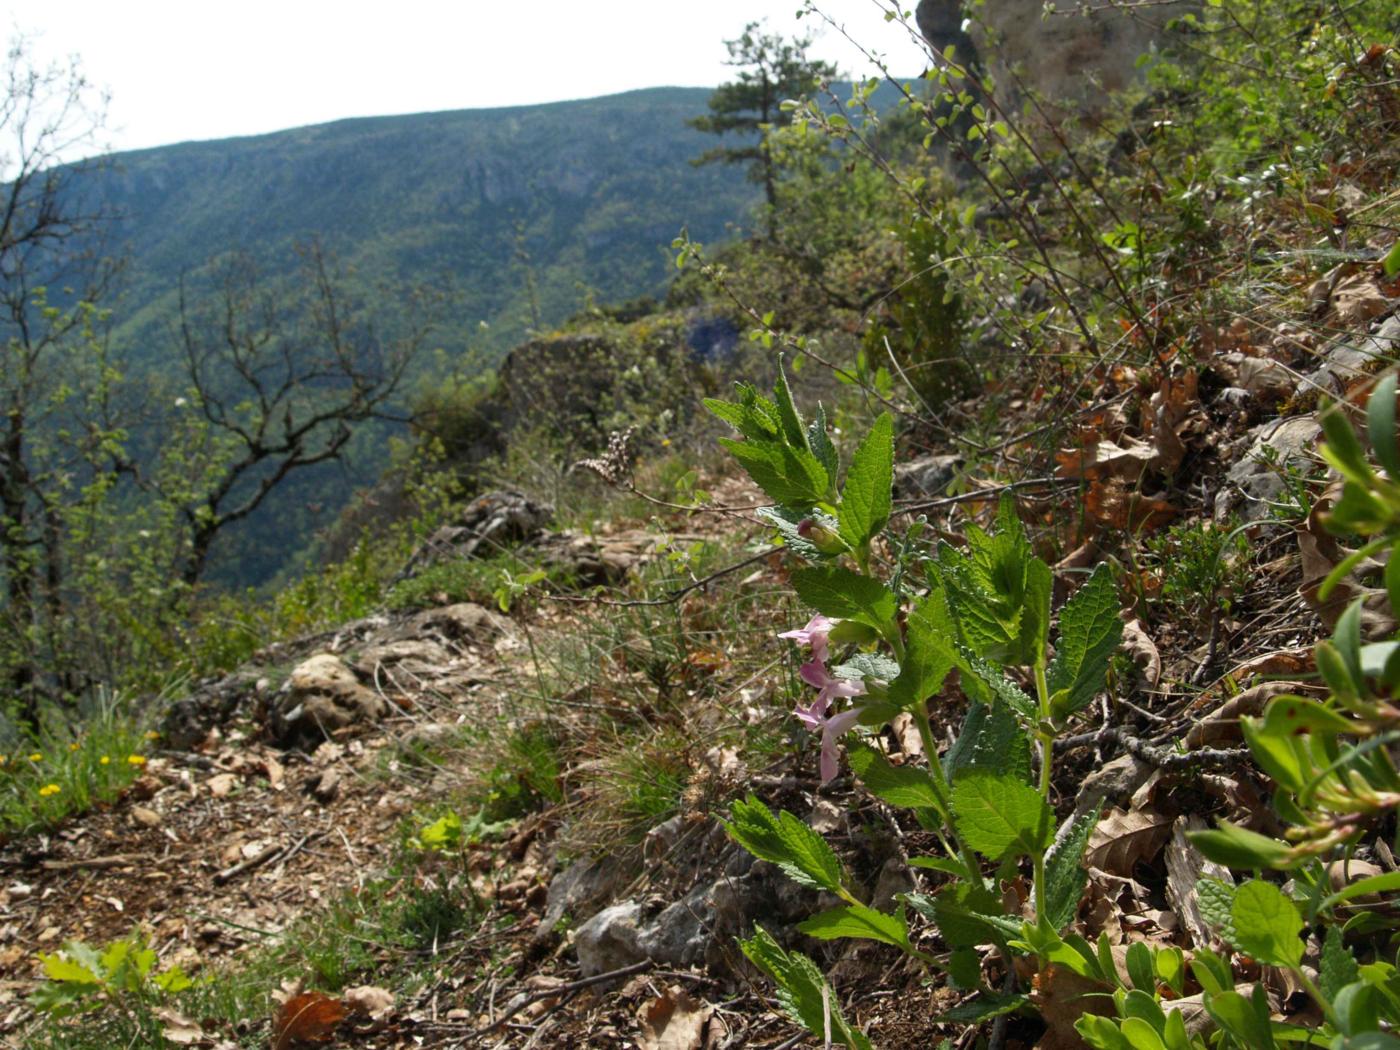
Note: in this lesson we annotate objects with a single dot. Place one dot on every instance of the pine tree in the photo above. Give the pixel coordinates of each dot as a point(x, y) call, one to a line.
point(773, 69)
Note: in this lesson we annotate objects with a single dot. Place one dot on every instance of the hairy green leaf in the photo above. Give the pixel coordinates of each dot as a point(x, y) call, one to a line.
point(835, 591)
point(865, 498)
point(928, 656)
point(1337, 967)
point(1000, 816)
point(991, 740)
point(1090, 631)
point(858, 921)
point(787, 842)
point(1065, 876)
point(1267, 924)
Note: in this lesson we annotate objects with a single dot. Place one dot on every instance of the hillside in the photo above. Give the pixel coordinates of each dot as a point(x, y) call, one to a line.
point(588, 195)
point(1008, 660)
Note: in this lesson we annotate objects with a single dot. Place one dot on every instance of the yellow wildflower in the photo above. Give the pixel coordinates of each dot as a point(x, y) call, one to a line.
point(136, 760)
point(152, 735)
point(49, 789)
point(73, 746)
point(36, 757)
point(104, 760)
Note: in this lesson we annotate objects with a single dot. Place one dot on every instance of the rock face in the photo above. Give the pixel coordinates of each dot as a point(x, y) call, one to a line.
point(493, 522)
point(1070, 59)
point(322, 695)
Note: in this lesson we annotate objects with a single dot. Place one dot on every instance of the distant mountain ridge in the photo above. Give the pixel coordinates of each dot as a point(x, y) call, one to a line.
point(579, 197)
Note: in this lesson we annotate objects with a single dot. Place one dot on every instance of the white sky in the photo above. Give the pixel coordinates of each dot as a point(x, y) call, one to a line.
point(202, 69)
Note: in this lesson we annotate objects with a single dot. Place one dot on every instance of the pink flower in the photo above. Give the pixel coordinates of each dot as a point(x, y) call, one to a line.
point(815, 674)
point(831, 729)
point(814, 635)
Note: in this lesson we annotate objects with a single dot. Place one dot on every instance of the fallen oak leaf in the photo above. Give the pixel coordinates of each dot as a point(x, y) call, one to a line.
point(308, 1018)
point(673, 1021)
point(1124, 838)
point(370, 1000)
point(179, 1029)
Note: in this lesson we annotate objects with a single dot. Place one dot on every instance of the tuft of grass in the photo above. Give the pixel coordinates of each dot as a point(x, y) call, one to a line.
point(70, 770)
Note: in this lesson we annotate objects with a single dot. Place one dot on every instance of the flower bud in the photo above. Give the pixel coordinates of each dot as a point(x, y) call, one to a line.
point(820, 537)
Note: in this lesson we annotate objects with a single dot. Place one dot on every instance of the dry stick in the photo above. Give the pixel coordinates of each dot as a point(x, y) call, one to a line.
point(1164, 759)
point(261, 858)
point(116, 860)
point(673, 597)
point(987, 493)
point(565, 989)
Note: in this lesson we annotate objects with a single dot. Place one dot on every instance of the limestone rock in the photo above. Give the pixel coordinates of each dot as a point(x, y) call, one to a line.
point(489, 523)
point(610, 940)
point(1255, 480)
point(580, 889)
point(321, 696)
point(925, 477)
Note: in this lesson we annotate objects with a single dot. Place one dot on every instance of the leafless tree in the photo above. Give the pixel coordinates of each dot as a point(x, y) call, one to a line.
point(280, 371)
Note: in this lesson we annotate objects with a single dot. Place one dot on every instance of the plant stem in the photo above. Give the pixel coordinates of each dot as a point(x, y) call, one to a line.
point(940, 787)
point(1046, 738)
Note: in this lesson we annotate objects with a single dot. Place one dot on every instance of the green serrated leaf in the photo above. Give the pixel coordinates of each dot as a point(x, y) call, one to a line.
point(786, 521)
point(966, 915)
point(1090, 630)
point(857, 921)
point(1065, 876)
point(1267, 924)
point(782, 839)
point(838, 592)
point(997, 684)
point(866, 497)
point(928, 657)
point(1000, 816)
point(904, 786)
point(820, 442)
point(965, 968)
point(793, 430)
point(1337, 967)
point(1215, 899)
point(57, 968)
point(991, 740)
point(802, 990)
point(790, 476)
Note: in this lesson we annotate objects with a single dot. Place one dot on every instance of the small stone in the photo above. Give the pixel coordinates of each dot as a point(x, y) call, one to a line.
point(148, 817)
point(328, 786)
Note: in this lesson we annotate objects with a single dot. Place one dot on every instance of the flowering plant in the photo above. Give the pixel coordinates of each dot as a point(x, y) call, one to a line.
point(901, 627)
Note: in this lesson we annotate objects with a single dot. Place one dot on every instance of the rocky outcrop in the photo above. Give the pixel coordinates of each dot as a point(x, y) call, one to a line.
point(489, 524)
point(1070, 59)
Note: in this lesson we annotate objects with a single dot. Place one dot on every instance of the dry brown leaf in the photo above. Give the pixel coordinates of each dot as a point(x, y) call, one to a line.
point(370, 1000)
point(1110, 503)
point(1294, 661)
point(1223, 724)
point(1185, 867)
point(221, 784)
point(1101, 459)
point(673, 1021)
point(1123, 838)
point(179, 1029)
point(1143, 651)
point(310, 1018)
point(1359, 298)
point(1062, 997)
point(276, 775)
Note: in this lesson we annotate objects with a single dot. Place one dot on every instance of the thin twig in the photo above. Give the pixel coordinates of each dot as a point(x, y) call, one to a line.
point(565, 989)
point(670, 599)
